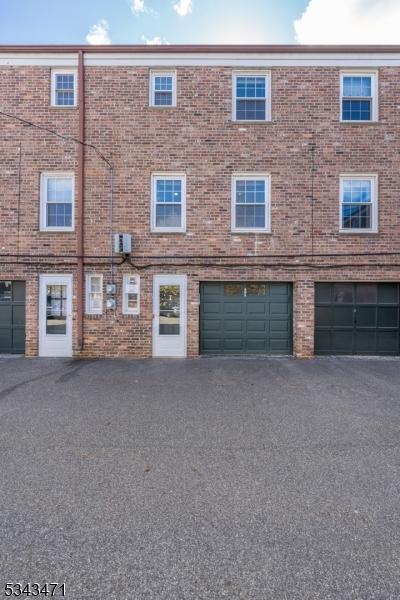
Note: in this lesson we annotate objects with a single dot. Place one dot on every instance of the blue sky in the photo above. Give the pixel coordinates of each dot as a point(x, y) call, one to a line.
point(199, 21)
point(211, 21)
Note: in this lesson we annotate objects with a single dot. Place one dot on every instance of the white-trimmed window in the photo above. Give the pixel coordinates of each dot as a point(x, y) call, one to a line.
point(359, 96)
point(64, 88)
point(251, 96)
point(162, 88)
point(94, 294)
point(131, 295)
point(358, 203)
point(57, 202)
point(168, 205)
point(251, 203)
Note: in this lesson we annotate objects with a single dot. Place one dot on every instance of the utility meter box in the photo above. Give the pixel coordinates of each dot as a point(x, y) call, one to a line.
point(123, 243)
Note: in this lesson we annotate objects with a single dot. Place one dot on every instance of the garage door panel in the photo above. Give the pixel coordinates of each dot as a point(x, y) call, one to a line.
point(233, 344)
point(279, 326)
point(250, 317)
point(388, 316)
point(253, 308)
point(233, 307)
point(256, 345)
point(388, 293)
point(279, 346)
point(343, 316)
point(253, 325)
point(18, 315)
point(388, 342)
point(211, 307)
point(212, 345)
point(342, 340)
point(364, 341)
point(19, 340)
point(279, 309)
point(324, 316)
point(5, 339)
point(210, 325)
point(323, 341)
point(233, 325)
point(365, 318)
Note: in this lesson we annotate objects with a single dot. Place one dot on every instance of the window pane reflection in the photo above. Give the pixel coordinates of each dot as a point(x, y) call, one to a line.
point(56, 310)
point(169, 310)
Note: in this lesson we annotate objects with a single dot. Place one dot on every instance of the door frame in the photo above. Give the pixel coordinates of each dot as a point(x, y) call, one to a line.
point(44, 280)
point(180, 280)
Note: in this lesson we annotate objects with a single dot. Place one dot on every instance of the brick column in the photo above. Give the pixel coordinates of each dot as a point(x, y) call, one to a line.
point(193, 325)
point(32, 315)
point(303, 319)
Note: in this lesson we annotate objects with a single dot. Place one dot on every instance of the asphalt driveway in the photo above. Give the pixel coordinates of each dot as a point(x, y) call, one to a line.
point(200, 480)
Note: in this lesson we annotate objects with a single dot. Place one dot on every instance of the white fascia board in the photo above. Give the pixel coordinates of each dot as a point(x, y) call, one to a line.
point(237, 60)
point(39, 60)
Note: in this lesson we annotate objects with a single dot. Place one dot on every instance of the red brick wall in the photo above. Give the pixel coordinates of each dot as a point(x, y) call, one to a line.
point(198, 138)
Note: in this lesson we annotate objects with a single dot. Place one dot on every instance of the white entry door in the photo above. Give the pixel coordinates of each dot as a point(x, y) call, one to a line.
point(169, 315)
point(55, 315)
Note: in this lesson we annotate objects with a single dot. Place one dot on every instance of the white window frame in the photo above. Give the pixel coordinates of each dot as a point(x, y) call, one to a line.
point(125, 308)
point(374, 92)
point(154, 178)
point(267, 75)
point(161, 73)
point(54, 73)
point(251, 176)
point(43, 201)
point(89, 309)
point(374, 203)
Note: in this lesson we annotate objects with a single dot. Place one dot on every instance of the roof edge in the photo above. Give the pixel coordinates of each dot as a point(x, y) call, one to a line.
point(197, 49)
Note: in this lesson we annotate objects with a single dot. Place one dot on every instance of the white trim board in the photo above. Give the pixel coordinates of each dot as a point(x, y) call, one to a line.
point(237, 60)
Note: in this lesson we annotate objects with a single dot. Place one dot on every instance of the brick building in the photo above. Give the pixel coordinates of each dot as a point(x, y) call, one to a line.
point(260, 186)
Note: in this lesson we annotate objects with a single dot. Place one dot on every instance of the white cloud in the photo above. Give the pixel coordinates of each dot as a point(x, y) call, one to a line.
point(138, 6)
point(155, 41)
point(349, 22)
point(183, 7)
point(98, 33)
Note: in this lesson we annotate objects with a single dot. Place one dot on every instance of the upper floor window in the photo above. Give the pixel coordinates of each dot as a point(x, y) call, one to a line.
point(358, 203)
point(94, 294)
point(251, 97)
point(131, 295)
point(57, 202)
point(63, 88)
point(359, 97)
point(168, 203)
point(163, 89)
point(250, 203)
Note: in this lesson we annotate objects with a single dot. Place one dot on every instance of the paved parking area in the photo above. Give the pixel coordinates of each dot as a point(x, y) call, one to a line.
point(202, 479)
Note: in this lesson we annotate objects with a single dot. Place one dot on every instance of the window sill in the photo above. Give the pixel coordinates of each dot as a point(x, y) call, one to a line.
point(56, 230)
point(165, 107)
point(59, 107)
point(360, 122)
point(240, 122)
point(168, 231)
point(251, 231)
point(357, 232)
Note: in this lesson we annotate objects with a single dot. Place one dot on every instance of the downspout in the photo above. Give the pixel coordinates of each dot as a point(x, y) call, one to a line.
point(80, 199)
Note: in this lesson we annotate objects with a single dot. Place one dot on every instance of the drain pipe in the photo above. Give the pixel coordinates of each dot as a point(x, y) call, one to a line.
point(80, 199)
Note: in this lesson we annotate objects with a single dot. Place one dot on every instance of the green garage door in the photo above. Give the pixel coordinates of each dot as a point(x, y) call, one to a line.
point(12, 317)
point(357, 318)
point(246, 318)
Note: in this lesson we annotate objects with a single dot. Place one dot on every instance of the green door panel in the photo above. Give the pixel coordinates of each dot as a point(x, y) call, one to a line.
point(246, 318)
point(357, 318)
point(12, 317)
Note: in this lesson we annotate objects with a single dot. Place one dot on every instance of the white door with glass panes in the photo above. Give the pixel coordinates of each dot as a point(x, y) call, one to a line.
point(169, 315)
point(55, 315)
